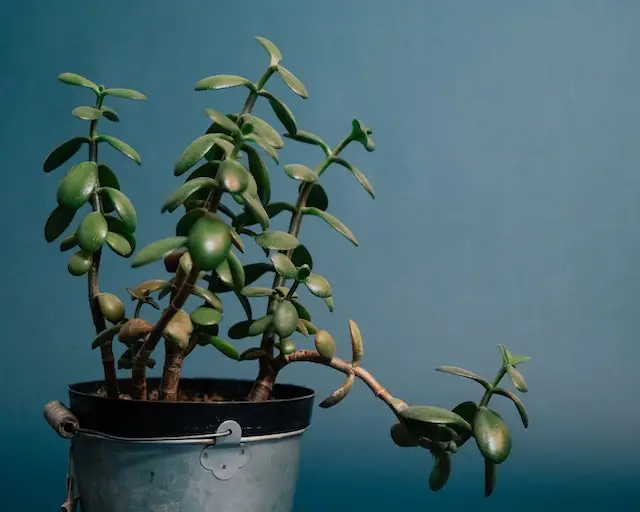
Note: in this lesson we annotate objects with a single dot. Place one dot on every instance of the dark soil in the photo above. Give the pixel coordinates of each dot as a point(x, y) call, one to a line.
point(183, 396)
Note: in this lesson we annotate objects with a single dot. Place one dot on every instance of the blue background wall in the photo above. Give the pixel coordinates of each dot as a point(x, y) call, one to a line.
point(507, 173)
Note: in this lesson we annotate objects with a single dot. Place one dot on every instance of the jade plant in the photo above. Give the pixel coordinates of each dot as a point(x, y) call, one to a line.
point(227, 201)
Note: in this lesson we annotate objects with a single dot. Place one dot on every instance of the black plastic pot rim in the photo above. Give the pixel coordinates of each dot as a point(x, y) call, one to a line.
point(288, 411)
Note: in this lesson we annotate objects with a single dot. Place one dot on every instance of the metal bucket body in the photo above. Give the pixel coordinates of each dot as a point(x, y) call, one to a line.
point(216, 467)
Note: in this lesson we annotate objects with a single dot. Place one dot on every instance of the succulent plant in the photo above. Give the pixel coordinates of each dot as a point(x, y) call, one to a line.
point(226, 200)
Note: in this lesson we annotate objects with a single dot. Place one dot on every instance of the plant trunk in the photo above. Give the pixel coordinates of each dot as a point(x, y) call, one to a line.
point(263, 385)
point(171, 372)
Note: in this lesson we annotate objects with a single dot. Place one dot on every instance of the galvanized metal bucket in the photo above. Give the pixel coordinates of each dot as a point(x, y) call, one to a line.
point(152, 456)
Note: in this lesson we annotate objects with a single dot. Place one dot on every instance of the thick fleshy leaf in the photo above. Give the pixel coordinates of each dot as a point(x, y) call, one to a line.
point(106, 336)
point(277, 240)
point(237, 271)
point(78, 80)
point(129, 94)
point(517, 379)
point(158, 250)
point(92, 232)
point(257, 210)
point(402, 436)
point(260, 173)
point(311, 329)
point(194, 153)
point(123, 206)
point(272, 210)
point(223, 82)
point(209, 242)
point(292, 82)
point(362, 134)
point(111, 307)
point(134, 329)
point(359, 175)
point(121, 146)
point(63, 153)
point(302, 311)
point(440, 472)
point(284, 266)
point(206, 316)
point(233, 176)
point(223, 121)
point(239, 330)
point(282, 112)
point(318, 286)
point(76, 187)
point(57, 223)
point(179, 329)
point(260, 325)
point(302, 256)
point(87, 113)
point(492, 435)
point(225, 347)
point(272, 49)
point(186, 190)
point(356, 342)
point(517, 402)
point(339, 394)
point(255, 271)
point(300, 172)
point(334, 222)
point(118, 227)
point(264, 130)
point(268, 148)
point(208, 296)
point(490, 475)
point(329, 302)
point(80, 263)
point(302, 328)
point(119, 244)
point(461, 372)
point(251, 354)
point(430, 415)
point(68, 243)
point(285, 319)
point(303, 272)
point(516, 360)
point(325, 345)
point(466, 410)
point(310, 138)
point(256, 291)
point(317, 197)
point(107, 178)
point(110, 114)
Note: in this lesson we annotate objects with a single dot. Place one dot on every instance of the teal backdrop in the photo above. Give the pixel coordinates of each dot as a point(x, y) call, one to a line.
point(507, 174)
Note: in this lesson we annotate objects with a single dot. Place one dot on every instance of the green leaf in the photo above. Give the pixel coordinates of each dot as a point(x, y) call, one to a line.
point(466, 410)
point(80, 263)
point(206, 316)
point(158, 250)
point(334, 222)
point(277, 240)
point(239, 330)
point(209, 242)
point(194, 153)
point(440, 472)
point(303, 272)
point(68, 243)
point(325, 345)
point(329, 302)
point(208, 296)
point(87, 113)
point(124, 93)
point(260, 325)
point(517, 379)
point(186, 190)
point(292, 82)
point(106, 336)
point(255, 271)
point(107, 178)
point(76, 187)
point(123, 206)
point(509, 359)
point(252, 354)
point(286, 346)
point(282, 112)
point(302, 256)
point(317, 197)
point(285, 319)
point(515, 360)
point(226, 123)
point(359, 175)
point(492, 435)
point(522, 411)
point(356, 342)
point(78, 80)
point(92, 232)
point(256, 291)
point(253, 137)
point(272, 210)
point(362, 134)
point(110, 114)
point(118, 227)
point(63, 153)
point(310, 138)
point(260, 173)
point(225, 347)
point(272, 49)
point(237, 271)
point(318, 286)
point(435, 416)
point(233, 176)
point(121, 146)
point(339, 394)
point(300, 172)
point(311, 329)
point(490, 475)
point(461, 372)
point(119, 244)
point(111, 307)
point(223, 82)
point(284, 266)
point(402, 436)
point(264, 130)
point(303, 313)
